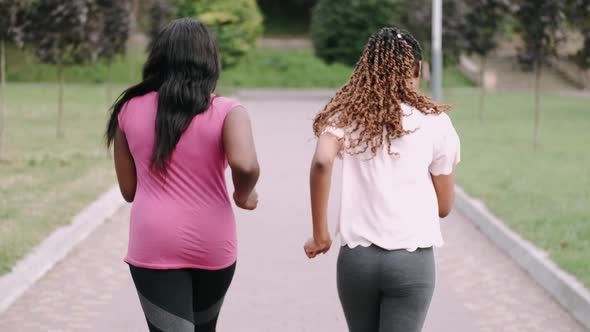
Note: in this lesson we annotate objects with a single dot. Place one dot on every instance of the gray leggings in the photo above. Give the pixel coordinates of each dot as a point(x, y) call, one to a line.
point(385, 291)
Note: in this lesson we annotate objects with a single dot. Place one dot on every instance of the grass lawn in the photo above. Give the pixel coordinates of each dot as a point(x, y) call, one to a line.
point(299, 68)
point(543, 195)
point(48, 180)
point(288, 68)
point(22, 66)
point(266, 67)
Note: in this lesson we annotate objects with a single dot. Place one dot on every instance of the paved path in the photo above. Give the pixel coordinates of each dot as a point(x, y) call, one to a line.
point(276, 288)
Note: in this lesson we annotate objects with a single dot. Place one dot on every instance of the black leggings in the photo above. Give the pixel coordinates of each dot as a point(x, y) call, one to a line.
point(182, 300)
point(385, 291)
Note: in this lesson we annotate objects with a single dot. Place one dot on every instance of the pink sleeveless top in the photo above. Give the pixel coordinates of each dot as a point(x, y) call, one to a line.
point(183, 219)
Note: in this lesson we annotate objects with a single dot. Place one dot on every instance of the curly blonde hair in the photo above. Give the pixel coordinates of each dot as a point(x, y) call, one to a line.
point(369, 104)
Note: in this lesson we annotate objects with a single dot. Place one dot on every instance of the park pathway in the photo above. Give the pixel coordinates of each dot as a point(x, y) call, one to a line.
point(276, 288)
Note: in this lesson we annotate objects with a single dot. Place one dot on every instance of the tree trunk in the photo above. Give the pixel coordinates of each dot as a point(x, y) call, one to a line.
point(60, 99)
point(537, 124)
point(131, 65)
point(2, 93)
point(109, 83)
point(134, 16)
point(482, 88)
point(426, 74)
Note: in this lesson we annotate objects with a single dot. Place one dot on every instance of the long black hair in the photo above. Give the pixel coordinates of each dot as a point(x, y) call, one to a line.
point(183, 67)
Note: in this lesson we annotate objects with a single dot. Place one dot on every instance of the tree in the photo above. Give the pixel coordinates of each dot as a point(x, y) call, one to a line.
point(540, 24)
point(340, 28)
point(58, 31)
point(90, 46)
point(453, 13)
point(578, 14)
point(10, 30)
point(480, 29)
point(237, 24)
point(287, 15)
point(160, 13)
point(418, 21)
point(287, 8)
point(115, 33)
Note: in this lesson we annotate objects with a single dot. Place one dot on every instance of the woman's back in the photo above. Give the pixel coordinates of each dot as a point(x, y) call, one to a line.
point(173, 139)
point(181, 218)
point(388, 198)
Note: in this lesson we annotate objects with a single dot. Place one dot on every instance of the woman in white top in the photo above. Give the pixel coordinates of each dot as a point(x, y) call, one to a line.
point(399, 149)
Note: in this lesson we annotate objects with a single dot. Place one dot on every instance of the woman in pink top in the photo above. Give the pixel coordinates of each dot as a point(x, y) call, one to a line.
point(398, 151)
point(173, 139)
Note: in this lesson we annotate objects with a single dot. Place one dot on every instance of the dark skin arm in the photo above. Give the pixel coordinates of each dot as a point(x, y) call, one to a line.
point(444, 185)
point(125, 167)
point(241, 156)
point(320, 177)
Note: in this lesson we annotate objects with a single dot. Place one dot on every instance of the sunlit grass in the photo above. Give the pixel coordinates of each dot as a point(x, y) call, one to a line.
point(543, 195)
point(47, 180)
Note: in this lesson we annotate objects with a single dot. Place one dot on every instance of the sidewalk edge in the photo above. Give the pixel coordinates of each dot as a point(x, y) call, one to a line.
point(564, 287)
point(56, 246)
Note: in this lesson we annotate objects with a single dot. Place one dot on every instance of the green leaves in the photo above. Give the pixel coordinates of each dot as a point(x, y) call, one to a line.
point(237, 25)
point(482, 25)
point(578, 14)
point(57, 30)
point(341, 28)
point(540, 23)
point(11, 20)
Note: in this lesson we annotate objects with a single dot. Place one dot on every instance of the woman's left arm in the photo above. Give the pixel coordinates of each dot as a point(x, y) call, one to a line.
point(125, 167)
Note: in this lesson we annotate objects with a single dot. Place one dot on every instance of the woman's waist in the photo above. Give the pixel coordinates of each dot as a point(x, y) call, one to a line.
point(160, 216)
point(194, 203)
point(390, 226)
point(176, 249)
point(400, 210)
point(391, 236)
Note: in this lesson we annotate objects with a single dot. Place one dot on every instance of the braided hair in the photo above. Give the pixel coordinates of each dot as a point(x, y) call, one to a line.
point(369, 104)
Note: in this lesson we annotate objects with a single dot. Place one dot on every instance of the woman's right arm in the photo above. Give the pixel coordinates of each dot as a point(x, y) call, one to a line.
point(241, 156)
point(124, 167)
point(447, 154)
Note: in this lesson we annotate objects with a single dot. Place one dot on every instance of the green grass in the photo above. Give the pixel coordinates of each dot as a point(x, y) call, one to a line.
point(299, 68)
point(543, 195)
point(46, 180)
point(288, 68)
point(276, 68)
point(453, 78)
point(22, 66)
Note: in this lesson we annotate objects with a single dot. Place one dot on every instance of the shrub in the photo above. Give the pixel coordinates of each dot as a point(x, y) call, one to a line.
point(237, 24)
point(340, 28)
point(286, 17)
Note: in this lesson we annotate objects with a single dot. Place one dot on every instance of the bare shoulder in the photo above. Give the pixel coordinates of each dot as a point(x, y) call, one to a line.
point(236, 117)
point(238, 113)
